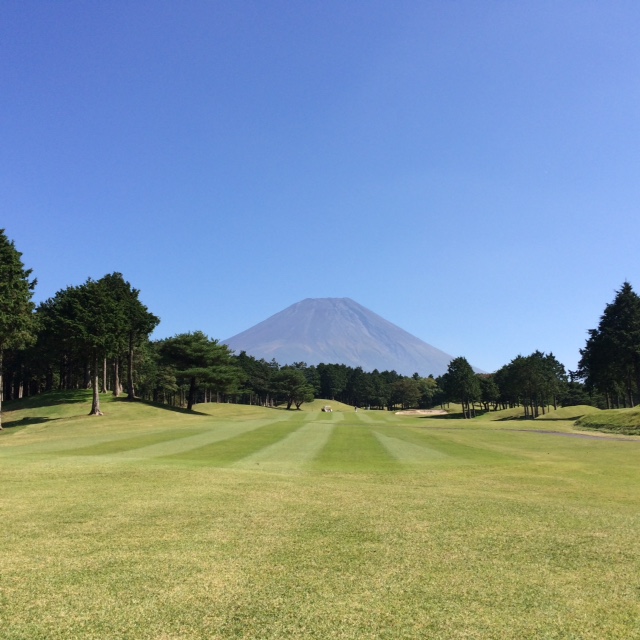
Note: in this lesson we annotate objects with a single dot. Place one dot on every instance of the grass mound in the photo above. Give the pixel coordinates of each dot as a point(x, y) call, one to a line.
point(318, 403)
point(515, 413)
point(624, 421)
point(570, 413)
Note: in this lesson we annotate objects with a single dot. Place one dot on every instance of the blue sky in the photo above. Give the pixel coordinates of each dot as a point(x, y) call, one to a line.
point(468, 170)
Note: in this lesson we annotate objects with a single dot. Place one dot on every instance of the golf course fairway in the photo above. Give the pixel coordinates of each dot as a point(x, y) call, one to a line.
point(248, 522)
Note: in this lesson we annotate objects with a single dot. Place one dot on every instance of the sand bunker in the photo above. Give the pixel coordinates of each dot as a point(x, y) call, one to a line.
point(422, 412)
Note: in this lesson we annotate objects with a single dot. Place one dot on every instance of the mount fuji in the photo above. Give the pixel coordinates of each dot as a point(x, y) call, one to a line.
point(339, 331)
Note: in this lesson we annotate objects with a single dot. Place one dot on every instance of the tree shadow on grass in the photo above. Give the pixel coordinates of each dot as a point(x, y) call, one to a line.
point(545, 419)
point(48, 399)
point(479, 414)
point(166, 407)
point(25, 422)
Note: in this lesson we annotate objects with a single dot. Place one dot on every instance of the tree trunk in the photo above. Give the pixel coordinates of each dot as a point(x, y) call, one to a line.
point(63, 376)
point(116, 377)
point(104, 375)
point(192, 393)
point(131, 393)
point(636, 369)
point(87, 375)
point(95, 405)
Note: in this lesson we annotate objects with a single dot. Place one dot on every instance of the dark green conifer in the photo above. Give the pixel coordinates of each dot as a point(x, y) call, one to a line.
point(16, 308)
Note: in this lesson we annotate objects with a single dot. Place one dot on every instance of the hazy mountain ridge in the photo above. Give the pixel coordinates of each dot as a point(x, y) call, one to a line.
point(339, 331)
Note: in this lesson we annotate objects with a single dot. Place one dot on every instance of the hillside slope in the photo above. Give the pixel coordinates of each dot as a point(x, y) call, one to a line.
point(340, 331)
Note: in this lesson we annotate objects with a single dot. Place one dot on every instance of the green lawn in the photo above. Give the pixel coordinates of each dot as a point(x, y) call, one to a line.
point(245, 522)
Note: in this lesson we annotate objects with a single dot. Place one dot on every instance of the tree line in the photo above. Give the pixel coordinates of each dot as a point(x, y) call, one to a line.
point(97, 335)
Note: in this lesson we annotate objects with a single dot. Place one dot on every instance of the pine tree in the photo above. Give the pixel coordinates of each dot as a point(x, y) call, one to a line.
point(16, 308)
point(133, 320)
point(611, 357)
point(198, 360)
point(461, 384)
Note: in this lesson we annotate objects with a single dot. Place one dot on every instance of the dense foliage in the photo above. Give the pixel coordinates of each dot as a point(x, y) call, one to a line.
point(198, 362)
point(462, 385)
point(610, 361)
point(16, 317)
point(535, 382)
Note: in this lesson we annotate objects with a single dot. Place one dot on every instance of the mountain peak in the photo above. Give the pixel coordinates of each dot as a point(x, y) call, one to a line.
point(339, 331)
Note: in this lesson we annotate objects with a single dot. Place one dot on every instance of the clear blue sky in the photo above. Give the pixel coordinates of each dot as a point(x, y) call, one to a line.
point(468, 170)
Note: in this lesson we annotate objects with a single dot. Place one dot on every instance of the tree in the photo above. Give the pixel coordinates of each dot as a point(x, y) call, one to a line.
point(406, 392)
point(358, 388)
point(535, 381)
point(428, 391)
point(198, 359)
point(489, 391)
point(93, 315)
point(257, 378)
point(85, 321)
point(83, 325)
point(16, 308)
point(576, 393)
point(291, 383)
point(333, 380)
point(133, 320)
point(611, 358)
point(461, 384)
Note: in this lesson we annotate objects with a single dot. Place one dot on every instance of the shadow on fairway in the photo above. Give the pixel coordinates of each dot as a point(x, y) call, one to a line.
point(479, 414)
point(25, 422)
point(166, 407)
point(448, 416)
point(544, 418)
point(47, 399)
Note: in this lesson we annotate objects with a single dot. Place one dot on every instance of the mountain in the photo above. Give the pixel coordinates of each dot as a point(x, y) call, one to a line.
point(339, 331)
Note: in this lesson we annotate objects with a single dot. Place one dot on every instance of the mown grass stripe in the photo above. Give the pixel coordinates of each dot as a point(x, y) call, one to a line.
point(121, 445)
point(486, 449)
point(409, 453)
point(332, 416)
point(230, 450)
point(291, 453)
point(216, 432)
point(355, 448)
point(362, 416)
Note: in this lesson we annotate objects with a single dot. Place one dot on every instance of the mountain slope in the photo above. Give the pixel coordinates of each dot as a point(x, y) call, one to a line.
point(339, 331)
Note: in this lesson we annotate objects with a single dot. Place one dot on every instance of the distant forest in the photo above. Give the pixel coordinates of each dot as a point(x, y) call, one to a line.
point(96, 335)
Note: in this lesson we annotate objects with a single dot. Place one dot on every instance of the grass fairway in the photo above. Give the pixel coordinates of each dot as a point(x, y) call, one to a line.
point(245, 522)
